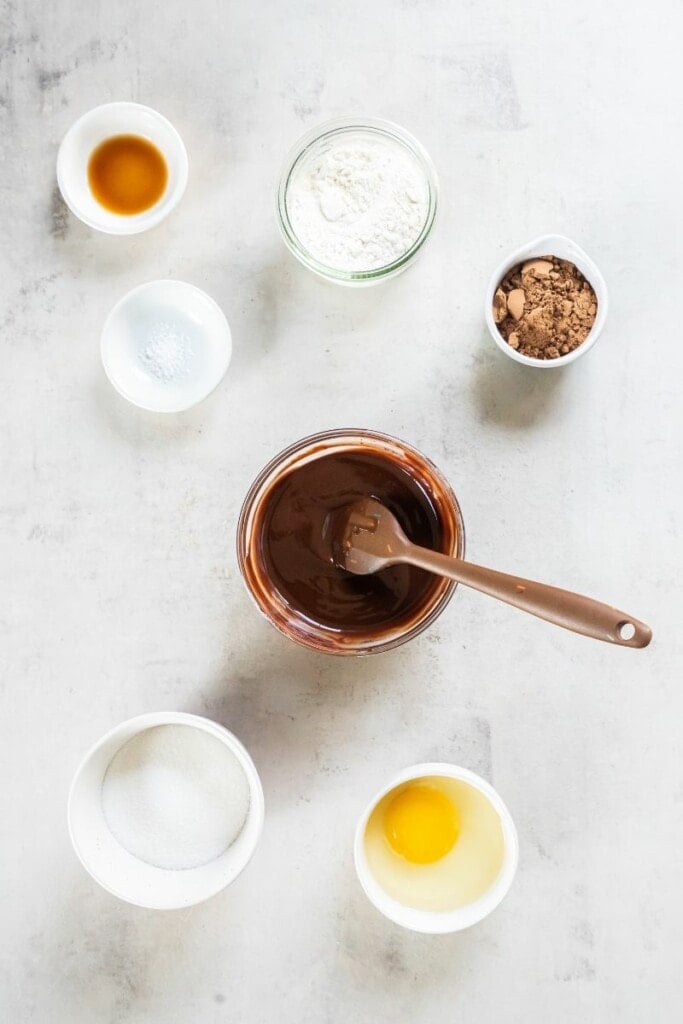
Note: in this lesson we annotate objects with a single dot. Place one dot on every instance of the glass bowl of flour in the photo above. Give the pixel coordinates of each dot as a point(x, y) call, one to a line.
point(357, 200)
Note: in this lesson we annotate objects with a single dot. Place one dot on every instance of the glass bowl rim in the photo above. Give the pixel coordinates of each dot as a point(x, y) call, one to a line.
point(313, 642)
point(336, 126)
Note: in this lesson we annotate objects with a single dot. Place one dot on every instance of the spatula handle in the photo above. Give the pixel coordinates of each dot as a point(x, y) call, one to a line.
point(562, 607)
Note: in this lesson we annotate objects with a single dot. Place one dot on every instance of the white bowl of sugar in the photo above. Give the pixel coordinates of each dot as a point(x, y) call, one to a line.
point(166, 810)
point(166, 346)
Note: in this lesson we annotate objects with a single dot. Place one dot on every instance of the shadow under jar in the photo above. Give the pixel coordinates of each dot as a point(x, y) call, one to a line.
point(285, 541)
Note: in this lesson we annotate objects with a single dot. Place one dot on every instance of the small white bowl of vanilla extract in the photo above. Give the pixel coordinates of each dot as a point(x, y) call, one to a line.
point(122, 168)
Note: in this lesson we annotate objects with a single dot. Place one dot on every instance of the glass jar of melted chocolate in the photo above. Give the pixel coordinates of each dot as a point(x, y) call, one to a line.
point(286, 539)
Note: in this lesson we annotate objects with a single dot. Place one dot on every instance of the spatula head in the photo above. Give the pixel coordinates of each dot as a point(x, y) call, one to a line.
point(369, 538)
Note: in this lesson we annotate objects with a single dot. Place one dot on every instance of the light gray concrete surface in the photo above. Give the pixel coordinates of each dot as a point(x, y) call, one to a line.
point(120, 587)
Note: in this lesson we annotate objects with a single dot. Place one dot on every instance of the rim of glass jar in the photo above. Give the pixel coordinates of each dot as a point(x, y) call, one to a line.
point(321, 639)
point(336, 126)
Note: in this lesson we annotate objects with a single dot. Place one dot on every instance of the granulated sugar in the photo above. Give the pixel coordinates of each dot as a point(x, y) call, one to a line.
point(175, 796)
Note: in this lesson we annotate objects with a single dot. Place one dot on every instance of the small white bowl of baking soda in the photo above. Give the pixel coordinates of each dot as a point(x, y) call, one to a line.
point(166, 346)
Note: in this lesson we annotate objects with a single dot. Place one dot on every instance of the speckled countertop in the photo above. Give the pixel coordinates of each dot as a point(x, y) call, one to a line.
point(121, 592)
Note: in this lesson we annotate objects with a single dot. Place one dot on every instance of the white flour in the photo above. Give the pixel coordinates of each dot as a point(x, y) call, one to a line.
point(358, 202)
point(174, 796)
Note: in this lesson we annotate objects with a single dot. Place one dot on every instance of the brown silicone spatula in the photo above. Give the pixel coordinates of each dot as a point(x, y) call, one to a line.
point(369, 538)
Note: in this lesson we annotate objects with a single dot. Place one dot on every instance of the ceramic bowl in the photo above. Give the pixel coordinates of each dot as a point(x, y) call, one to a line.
point(124, 875)
point(93, 128)
point(438, 921)
point(564, 249)
point(166, 346)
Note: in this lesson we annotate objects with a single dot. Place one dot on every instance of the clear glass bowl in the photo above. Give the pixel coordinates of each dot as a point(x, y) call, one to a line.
point(339, 127)
point(295, 624)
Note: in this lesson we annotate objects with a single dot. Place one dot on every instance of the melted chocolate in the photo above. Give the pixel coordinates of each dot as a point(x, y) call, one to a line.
point(298, 540)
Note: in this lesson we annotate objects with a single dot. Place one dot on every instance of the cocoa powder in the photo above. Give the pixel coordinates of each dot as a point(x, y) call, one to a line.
point(545, 307)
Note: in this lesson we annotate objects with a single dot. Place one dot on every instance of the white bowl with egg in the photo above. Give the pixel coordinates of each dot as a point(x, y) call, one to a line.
point(95, 127)
point(166, 345)
point(458, 849)
point(126, 874)
point(565, 249)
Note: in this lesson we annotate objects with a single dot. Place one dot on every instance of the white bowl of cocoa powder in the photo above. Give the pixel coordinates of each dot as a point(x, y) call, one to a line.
point(546, 303)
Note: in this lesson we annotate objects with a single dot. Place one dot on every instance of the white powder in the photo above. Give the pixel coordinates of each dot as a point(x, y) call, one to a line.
point(174, 796)
point(358, 202)
point(167, 352)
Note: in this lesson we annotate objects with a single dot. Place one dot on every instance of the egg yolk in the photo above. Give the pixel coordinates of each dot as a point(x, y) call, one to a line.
point(421, 824)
